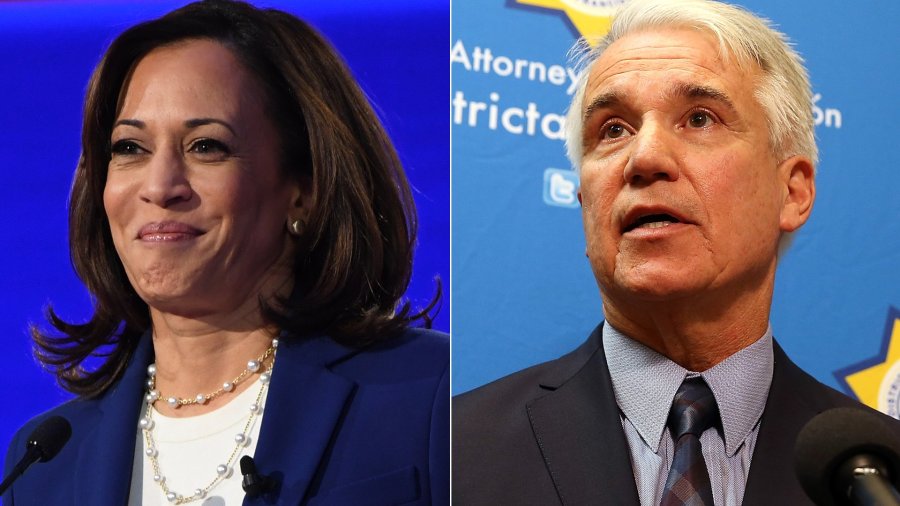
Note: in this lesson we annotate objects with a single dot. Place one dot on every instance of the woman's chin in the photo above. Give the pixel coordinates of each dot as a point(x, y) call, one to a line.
point(181, 302)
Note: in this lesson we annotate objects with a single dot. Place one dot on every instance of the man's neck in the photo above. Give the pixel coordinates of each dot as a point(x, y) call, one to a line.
point(697, 332)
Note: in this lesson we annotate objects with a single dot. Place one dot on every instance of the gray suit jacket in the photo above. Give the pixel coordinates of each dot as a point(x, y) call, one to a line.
point(551, 434)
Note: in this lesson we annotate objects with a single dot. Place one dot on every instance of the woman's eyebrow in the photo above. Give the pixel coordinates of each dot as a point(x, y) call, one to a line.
point(194, 123)
point(130, 122)
point(191, 123)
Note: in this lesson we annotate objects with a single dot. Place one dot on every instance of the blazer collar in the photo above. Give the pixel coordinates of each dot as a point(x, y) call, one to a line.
point(304, 407)
point(106, 458)
point(577, 426)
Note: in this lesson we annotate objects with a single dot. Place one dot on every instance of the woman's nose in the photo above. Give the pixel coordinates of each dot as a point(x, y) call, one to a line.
point(166, 182)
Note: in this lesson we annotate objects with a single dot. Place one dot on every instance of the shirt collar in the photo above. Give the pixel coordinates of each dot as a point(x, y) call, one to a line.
point(645, 382)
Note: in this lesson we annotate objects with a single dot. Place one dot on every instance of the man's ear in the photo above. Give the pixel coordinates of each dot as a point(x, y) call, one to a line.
point(797, 174)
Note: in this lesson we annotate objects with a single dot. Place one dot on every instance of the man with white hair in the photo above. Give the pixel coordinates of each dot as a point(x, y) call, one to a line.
point(692, 130)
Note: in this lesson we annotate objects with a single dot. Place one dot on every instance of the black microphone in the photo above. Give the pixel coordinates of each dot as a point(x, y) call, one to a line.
point(45, 441)
point(254, 484)
point(849, 456)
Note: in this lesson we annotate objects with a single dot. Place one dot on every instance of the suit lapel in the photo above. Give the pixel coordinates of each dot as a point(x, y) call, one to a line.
point(576, 425)
point(578, 429)
point(304, 406)
point(788, 408)
point(106, 458)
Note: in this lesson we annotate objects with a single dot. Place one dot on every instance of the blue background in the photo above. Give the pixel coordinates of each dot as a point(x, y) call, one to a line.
point(523, 291)
point(397, 50)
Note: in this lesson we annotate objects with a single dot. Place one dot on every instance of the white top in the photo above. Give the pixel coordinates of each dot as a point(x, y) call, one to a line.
point(191, 448)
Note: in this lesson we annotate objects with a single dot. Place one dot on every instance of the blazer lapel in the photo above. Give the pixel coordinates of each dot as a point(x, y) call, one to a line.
point(304, 406)
point(787, 409)
point(577, 426)
point(106, 458)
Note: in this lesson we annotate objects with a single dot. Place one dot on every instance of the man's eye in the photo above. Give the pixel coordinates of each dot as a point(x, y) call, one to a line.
point(126, 148)
point(700, 119)
point(614, 131)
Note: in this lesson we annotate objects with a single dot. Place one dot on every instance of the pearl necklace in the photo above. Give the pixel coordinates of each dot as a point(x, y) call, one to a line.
point(253, 366)
point(241, 439)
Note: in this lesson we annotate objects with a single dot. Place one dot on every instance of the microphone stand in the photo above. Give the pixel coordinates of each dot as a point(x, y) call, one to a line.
point(864, 477)
point(32, 454)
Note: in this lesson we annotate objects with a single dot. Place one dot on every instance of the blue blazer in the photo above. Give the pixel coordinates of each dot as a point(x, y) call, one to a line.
point(341, 426)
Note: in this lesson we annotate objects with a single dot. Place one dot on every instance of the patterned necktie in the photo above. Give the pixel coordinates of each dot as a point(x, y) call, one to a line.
point(693, 411)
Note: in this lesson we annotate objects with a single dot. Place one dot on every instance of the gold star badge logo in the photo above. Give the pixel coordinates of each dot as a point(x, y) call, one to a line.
point(876, 382)
point(591, 18)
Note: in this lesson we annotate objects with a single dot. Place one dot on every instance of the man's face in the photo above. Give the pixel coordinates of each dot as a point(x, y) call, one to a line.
point(681, 192)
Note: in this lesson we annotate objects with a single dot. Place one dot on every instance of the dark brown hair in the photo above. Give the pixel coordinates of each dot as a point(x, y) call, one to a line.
point(354, 259)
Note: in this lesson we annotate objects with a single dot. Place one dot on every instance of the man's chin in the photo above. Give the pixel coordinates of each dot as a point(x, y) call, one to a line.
point(659, 284)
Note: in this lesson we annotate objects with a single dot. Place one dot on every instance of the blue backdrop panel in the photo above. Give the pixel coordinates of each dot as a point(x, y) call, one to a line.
point(523, 291)
point(396, 49)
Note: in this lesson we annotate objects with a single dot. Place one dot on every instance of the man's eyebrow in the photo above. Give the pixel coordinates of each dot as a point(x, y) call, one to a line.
point(678, 90)
point(191, 123)
point(602, 101)
point(689, 90)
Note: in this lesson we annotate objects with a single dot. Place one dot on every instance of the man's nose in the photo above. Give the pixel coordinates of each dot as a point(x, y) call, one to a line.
point(652, 156)
point(166, 180)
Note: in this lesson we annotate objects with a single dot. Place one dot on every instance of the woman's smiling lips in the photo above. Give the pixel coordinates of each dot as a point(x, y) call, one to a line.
point(168, 231)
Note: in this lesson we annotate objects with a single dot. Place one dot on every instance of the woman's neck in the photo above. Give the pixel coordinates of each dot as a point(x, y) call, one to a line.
point(196, 356)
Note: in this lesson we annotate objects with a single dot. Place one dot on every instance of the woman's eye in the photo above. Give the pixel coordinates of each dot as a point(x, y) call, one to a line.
point(614, 131)
point(208, 146)
point(700, 119)
point(126, 148)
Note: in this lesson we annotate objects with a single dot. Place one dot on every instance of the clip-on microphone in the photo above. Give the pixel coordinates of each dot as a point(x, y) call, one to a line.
point(254, 484)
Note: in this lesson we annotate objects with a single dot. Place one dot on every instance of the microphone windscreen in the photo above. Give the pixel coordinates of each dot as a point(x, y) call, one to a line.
point(50, 436)
point(247, 465)
point(834, 436)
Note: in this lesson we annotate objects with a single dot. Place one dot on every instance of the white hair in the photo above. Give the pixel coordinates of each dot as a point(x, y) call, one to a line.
point(783, 92)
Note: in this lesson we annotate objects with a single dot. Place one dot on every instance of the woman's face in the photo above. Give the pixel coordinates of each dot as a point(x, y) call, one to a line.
point(196, 199)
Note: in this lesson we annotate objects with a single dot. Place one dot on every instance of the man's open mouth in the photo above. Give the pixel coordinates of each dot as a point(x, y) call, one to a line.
point(652, 221)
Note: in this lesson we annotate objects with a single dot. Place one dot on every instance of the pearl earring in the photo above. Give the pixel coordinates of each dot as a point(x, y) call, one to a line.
point(296, 227)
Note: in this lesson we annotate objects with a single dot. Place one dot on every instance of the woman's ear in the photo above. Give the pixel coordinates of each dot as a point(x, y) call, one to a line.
point(300, 206)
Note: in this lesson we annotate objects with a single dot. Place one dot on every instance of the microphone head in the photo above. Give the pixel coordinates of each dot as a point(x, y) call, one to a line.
point(833, 437)
point(247, 465)
point(49, 437)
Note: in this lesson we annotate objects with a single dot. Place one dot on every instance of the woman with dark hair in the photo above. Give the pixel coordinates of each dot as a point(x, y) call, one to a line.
point(246, 230)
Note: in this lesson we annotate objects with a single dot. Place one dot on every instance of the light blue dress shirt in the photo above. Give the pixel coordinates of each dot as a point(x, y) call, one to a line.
point(645, 382)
